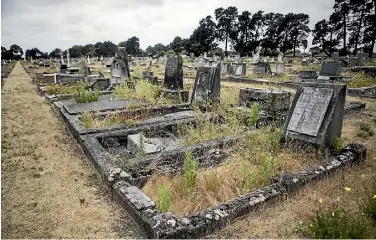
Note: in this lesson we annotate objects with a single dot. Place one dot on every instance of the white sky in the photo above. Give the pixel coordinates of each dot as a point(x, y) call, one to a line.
point(47, 24)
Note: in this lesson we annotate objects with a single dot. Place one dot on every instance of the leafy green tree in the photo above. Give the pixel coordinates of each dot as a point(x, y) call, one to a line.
point(356, 24)
point(88, 49)
point(55, 53)
point(323, 35)
point(203, 38)
point(132, 46)
point(16, 51)
point(75, 51)
point(178, 44)
point(299, 30)
point(35, 53)
point(340, 20)
point(369, 35)
point(226, 20)
point(273, 31)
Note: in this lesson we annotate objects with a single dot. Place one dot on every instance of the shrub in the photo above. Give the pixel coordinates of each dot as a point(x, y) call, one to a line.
point(365, 130)
point(190, 167)
point(369, 207)
point(83, 96)
point(164, 202)
point(338, 223)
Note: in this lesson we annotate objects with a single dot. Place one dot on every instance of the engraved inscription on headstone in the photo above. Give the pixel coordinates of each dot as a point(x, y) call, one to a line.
point(310, 110)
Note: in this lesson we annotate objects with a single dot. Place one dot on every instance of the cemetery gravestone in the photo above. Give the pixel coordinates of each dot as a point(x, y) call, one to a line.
point(224, 69)
point(280, 68)
point(174, 73)
point(240, 69)
point(331, 68)
point(206, 89)
point(274, 102)
point(316, 115)
point(307, 75)
point(262, 69)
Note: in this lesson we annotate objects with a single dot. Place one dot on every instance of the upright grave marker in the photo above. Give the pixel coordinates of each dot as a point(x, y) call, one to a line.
point(173, 80)
point(316, 114)
point(330, 70)
point(206, 89)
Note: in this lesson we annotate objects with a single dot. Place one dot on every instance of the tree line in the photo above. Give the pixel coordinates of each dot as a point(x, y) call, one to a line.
point(351, 27)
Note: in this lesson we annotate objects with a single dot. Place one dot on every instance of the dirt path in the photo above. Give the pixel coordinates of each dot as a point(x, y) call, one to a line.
point(49, 190)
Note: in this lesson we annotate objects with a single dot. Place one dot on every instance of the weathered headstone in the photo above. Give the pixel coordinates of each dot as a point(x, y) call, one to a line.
point(256, 57)
point(307, 75)
point(207, 86)
point(316, 114)
point(68, 59)
point(119, 67)
point(273, 102)
point(101, 84)
point(330, 68)
point(262, 69)
point(280, 68)
point(240, 69)
point(224, 69)
point(174, 73)
point(280, 57)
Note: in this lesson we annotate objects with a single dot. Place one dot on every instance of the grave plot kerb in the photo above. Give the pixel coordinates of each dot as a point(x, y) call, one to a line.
point(126, 191)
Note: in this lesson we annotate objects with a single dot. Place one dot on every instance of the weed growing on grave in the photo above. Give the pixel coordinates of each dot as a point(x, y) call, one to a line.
point(255, 114)
point(336, 222)
point(83, 96)
point(142, 90)
point(190, 167)
point(207, 128)
point(268, 168)
point(360, 80)
point(164, 202)
point(87, 120)
point(249, 178)
point(59, 89)
point(369, 206)
point(365, 130)
point(141, 140)
point(338, 143)
point(212, 182)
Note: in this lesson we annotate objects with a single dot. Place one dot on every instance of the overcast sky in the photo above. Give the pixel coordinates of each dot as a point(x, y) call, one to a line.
point(48, 24)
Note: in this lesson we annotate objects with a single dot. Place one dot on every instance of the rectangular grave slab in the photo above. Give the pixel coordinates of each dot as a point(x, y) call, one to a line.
point(69, 78)
point(104, 103)
point(207, 86)
point(150, 145)
point(307, 75)
point(174, 73)
point(316, 114)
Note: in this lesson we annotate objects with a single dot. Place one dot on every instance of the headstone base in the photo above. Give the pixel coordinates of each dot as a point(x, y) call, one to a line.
point(178, 96)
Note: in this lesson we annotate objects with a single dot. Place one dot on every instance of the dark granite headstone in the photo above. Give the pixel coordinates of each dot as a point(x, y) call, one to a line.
point(330, 68)
point(316, 114)
point(206, 89)
point(307, 75)
point(174, 73)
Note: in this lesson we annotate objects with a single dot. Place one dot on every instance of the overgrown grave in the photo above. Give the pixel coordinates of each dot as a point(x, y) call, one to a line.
point(188, 178)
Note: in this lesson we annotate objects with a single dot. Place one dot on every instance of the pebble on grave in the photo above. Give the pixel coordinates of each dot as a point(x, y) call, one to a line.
point(316, 115)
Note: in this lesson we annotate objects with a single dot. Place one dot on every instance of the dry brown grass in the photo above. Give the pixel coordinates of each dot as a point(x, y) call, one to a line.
point(281, 220)
point(49, 190)
point(225, 182)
